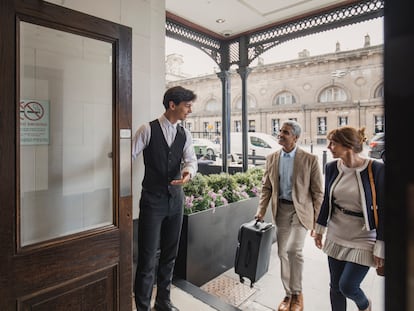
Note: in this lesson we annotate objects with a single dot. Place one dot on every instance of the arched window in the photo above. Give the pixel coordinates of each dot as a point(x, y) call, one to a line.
point(332, 94)
point(379, 92)
point(251, 102)
point(212, 105)
point(284, 98)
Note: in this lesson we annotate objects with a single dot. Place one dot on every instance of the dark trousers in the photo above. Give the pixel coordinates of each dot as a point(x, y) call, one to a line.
point(346, 278)
point(159, 228)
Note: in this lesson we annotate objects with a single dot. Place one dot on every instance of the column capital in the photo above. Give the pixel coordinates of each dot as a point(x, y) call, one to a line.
point(244, 71)
point(223, 75)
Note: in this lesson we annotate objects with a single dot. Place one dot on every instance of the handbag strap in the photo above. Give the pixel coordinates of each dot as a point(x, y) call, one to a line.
point(374, 193)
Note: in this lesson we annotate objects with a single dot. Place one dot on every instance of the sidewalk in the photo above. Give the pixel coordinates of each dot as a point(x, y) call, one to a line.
point(267, 293)
point(315, 284)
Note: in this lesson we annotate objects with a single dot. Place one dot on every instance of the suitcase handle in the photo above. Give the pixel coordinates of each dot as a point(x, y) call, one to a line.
point(256, 224)
point(267, 226)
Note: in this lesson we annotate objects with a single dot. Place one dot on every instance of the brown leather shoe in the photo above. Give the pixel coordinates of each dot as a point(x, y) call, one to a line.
point(296, 303)
point(285, 304)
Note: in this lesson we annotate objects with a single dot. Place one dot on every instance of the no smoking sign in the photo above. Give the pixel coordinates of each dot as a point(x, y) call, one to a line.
point(31, 110)
point(34, 122)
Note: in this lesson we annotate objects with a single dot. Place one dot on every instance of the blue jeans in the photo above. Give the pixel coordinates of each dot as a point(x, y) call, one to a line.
point(346, 278)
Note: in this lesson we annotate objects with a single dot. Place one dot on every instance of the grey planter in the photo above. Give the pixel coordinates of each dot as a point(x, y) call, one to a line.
point(209, 240)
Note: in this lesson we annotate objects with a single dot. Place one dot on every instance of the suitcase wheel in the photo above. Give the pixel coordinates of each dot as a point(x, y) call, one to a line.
point(241, 280)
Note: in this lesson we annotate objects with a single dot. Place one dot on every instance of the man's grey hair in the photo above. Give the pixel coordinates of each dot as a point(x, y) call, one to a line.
point(296, 128)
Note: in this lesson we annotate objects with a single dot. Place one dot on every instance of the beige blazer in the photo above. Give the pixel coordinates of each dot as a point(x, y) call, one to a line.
point(307, 186)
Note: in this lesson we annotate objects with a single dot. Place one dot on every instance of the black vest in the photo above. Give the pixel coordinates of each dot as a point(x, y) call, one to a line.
point(163, 163)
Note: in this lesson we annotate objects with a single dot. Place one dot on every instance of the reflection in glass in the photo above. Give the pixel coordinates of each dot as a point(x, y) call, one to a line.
point(65, 134)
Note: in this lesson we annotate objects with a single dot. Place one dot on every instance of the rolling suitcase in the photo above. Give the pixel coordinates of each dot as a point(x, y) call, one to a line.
point(253, 250)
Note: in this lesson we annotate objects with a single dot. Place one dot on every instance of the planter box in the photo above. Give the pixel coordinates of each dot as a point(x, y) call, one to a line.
point(209, 240)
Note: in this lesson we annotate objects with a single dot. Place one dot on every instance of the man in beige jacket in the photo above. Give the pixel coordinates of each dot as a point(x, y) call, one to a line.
point(293, 183)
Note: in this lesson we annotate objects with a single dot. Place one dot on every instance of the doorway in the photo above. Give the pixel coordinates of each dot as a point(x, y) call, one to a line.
point(66, 208)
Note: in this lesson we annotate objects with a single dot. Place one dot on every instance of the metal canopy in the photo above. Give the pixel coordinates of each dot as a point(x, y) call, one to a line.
point(226, 51)
point(240, 50)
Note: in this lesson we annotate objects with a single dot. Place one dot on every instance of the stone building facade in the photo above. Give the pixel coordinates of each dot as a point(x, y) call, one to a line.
point(320, 92)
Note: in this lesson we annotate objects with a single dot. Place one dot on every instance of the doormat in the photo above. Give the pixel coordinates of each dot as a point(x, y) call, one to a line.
point(229, 290)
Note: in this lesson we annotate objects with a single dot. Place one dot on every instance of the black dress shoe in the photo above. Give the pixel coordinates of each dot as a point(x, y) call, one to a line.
point(165, 306)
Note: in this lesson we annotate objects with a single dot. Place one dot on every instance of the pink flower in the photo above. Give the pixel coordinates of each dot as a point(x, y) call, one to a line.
point(212, 194)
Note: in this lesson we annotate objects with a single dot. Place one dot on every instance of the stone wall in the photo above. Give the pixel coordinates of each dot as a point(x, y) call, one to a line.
point(359, 73)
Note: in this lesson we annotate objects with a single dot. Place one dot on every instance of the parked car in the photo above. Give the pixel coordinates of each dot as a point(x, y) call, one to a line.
point(211, 149)
point(259, 145)
point(377, 146)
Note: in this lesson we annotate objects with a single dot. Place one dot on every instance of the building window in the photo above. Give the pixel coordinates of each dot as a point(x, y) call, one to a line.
point(275, 126)
point(285, 98)
point(189, 126)
point(332, 94)
point(379, 124)
point(252, 125)
point(217, 126)
point(237, 126)
point(251, 103)
point(205, 126)
point(379, 92)
point(342, 121)
point(212, 105)
point(321, 125)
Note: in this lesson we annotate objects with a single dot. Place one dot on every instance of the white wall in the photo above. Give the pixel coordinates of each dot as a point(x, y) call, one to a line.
point(147, 20)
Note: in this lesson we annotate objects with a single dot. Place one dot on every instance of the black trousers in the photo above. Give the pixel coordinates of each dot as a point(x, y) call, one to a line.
point(159, 228)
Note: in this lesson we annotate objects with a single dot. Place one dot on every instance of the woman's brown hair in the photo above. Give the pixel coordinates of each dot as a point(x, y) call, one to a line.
point(348, 137)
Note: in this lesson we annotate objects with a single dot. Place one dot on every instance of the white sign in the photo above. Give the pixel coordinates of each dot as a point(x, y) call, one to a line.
point(34, 122)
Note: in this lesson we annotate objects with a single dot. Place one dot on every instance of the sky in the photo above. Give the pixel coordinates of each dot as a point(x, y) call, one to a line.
point(197, 63)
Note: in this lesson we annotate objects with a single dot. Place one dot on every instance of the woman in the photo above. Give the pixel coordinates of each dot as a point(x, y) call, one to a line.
point(353, 243)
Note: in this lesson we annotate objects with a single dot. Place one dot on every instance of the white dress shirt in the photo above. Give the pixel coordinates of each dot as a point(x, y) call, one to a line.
point(143, 135)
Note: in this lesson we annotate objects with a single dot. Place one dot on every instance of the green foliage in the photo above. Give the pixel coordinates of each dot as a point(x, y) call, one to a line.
point(198, 186)
point(226, 183)
point(250, 181)
point(211, 191)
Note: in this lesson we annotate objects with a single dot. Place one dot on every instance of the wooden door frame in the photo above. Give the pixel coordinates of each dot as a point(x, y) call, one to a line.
point(120, 234)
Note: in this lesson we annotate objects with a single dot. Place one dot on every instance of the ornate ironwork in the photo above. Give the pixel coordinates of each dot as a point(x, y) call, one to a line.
point(226, 52)
point(234, 52)
point(211, 46)
point(263, 40)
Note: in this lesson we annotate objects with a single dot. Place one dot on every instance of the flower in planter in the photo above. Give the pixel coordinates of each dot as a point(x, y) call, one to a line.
point(203, 202)
point(210, 191)
point(217, 199)
point(244, 192)
point(251, 181)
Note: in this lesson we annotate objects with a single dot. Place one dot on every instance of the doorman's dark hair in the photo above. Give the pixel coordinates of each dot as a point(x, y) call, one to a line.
point(178, 94)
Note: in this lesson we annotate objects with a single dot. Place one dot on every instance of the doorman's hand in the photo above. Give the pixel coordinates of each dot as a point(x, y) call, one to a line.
point(184, 179)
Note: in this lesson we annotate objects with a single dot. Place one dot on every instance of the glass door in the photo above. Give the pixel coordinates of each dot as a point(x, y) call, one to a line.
point(65, 157)
point(66, 124)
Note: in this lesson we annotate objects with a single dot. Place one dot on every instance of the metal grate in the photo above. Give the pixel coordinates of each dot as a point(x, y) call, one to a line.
point(229, 290)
